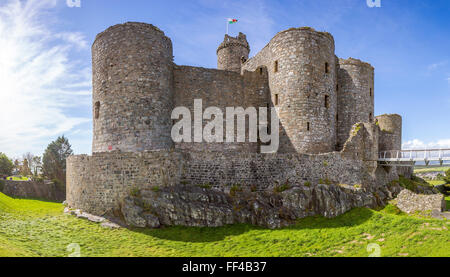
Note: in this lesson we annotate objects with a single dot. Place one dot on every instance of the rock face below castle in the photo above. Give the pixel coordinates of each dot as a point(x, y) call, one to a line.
point(328, 132)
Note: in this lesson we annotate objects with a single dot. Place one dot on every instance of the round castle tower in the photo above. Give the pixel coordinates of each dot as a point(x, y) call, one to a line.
point(302, 67)
point(232, 53)
point(132, 89)
point(391, 132)
point(355, 96)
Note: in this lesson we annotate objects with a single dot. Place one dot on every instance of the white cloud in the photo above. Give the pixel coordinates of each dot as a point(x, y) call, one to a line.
point(39, 83)
point(435, 66)
point(418, 144)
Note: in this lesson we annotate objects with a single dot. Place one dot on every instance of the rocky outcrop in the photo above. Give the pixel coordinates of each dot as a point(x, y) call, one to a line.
point(196, 206)
point(410, 202)
point(104, 222)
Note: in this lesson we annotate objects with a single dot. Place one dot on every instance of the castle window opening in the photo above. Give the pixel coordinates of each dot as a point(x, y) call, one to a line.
point(260, 71)
point(308, 126)
point(327, 68)
point(243, 59)
point(370, 117)
point(97, 110)
point(275, 66)
point(276, 100)
point(337, 87)
point(327, 101)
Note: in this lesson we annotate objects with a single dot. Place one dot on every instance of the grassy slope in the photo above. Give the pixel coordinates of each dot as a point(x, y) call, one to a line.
point(36, 228)
point(430, 169)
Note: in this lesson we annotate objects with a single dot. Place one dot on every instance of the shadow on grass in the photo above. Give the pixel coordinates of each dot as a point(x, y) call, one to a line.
point(36, 199)
point(32, 199)
point(207, 234)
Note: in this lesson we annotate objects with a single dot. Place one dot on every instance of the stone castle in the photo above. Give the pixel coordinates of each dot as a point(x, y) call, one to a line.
point(325, 105)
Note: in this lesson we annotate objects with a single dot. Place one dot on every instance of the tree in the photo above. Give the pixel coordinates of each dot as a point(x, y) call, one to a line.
point(34, 163)
point(25, 168)
point(37, 165)
point(16, 168)
point(54, 159)
point(6, 165)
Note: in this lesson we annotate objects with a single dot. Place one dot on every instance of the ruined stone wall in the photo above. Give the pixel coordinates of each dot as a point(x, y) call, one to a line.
point(35, 190)
point(355, 101)
point(232, 53)
point(222, 89)
point(268, 170)
point(302, 78)
point(391, 132)
point(97, 183)
point(132, 88)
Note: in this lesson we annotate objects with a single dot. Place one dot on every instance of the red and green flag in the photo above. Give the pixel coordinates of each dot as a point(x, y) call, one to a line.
point(231, 21)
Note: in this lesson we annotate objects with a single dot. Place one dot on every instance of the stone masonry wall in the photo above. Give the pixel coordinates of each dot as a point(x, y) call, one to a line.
point(355, 96)
point(132, 89)
point(35, 190)
point(268, 170)
point(97, 183)
point(302, 78)
point(218, 88)
point(232, 52)
point(391, 132)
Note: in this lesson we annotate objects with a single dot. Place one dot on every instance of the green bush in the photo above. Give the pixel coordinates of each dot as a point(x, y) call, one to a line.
point(410, 184)
point(135, 192)
point(447, 176)
point(281, 188)
point(155, 189)
point(325, 182)
point(235, 189)
point(205, 186)
point(2, 185)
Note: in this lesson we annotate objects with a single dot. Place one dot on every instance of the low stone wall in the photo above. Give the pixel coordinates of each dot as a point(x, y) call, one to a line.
point(97, 184)
point(265, 170)
point(30, 189)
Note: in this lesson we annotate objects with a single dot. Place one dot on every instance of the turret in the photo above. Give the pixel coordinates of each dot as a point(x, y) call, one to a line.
point(391, 132)
point(132, 89)
point(302, 71)
point(232, 53)
point(355, 90)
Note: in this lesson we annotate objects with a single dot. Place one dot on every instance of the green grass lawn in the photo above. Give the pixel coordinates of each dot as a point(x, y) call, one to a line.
point(430, 169)
point(436, 183)
point(37, 228)
point(17, 178)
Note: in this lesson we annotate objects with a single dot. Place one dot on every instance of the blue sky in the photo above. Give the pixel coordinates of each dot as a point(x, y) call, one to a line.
point(45, 60)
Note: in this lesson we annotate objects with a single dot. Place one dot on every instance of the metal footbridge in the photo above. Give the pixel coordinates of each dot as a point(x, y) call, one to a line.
point(428, 157)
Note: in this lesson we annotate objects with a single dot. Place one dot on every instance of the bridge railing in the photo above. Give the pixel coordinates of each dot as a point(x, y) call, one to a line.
point(415, 155)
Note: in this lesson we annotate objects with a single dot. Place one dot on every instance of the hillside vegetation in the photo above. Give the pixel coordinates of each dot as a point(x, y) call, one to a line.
point(37, 228)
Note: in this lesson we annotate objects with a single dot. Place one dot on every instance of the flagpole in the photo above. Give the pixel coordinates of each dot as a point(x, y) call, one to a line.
point(227, 25)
